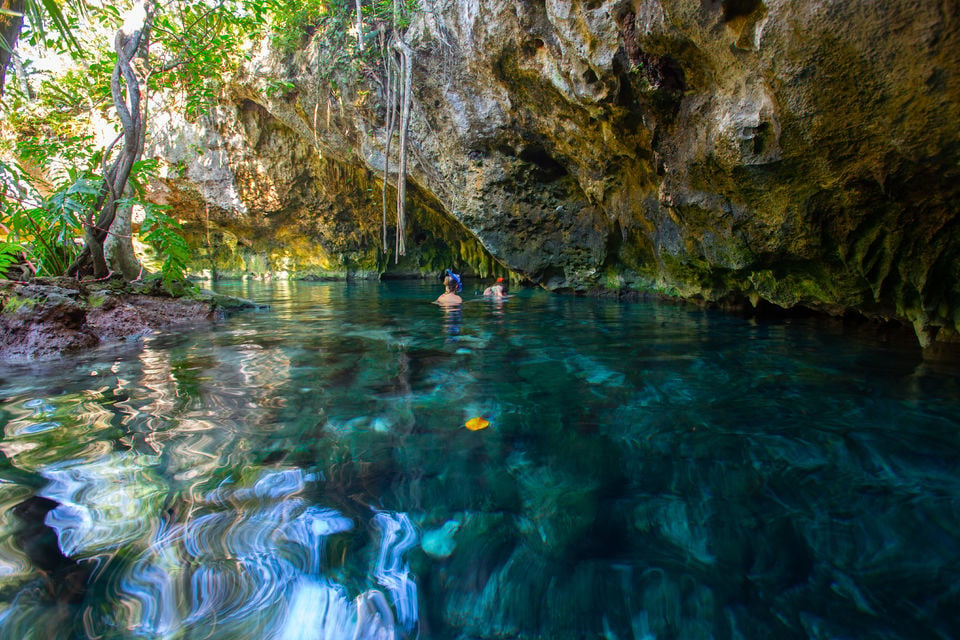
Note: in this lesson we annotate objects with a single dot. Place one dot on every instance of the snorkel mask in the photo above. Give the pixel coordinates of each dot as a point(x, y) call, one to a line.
point(456, 279)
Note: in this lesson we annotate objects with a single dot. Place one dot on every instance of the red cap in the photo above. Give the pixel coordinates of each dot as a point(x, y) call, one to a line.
point(499, 279)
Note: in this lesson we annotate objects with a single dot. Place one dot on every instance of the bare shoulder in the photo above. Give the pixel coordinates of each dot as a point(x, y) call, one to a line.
point(448, 299)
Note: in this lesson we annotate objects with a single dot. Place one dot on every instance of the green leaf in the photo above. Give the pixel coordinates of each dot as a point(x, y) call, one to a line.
point(161, 231)
point(10, 254)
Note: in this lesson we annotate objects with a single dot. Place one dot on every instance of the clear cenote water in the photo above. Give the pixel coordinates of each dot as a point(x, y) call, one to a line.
point(649, 471)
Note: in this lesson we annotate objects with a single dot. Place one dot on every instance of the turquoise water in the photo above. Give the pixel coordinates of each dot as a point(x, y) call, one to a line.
point(649, 471)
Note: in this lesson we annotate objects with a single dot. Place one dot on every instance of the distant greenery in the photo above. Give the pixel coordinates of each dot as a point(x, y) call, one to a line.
point(335, 20)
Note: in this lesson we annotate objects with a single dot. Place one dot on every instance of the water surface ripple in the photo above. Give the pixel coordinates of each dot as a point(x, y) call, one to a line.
point(649, 471)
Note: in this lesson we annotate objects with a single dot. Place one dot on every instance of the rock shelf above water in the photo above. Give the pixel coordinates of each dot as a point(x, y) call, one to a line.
point(48, 317)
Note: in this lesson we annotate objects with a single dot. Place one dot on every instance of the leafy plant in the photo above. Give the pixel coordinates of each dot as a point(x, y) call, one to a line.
point(159, 229)
point(292, 21)
point(141, 172)
point(161, 232)
point(46, 229)
point(10, 254)
point(41, 13)
point(200, 43)
point(190, 47)
point(279, 88)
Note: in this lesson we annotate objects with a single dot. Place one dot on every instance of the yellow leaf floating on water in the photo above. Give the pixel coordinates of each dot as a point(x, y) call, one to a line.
point(475, 424)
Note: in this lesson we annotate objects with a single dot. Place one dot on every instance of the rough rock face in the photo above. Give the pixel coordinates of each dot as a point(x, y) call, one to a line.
point(261, 198)
point(48, 317)
point(801, 153)
point(38, 322)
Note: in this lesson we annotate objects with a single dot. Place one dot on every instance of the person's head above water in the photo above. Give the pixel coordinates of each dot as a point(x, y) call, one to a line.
point(497, 289)
point(451, 277)
point(452, 284)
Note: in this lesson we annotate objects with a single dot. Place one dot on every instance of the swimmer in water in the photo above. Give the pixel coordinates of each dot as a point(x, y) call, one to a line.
point(496, 290)
point(451, 283)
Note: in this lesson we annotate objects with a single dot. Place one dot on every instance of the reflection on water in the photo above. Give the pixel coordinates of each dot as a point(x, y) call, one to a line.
point(648, 472)
point(452, 321)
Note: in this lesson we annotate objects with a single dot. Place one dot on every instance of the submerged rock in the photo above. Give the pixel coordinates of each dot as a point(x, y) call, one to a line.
point(440, 543)
point(48, 317)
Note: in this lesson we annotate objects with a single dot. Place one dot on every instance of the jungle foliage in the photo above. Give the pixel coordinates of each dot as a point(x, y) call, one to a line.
point(58, 185)
point(60, 189)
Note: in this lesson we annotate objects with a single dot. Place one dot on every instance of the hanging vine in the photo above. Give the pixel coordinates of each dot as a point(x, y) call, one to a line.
point(406, 84)
point(346, 50)
point(391, 113)
point(398, 67)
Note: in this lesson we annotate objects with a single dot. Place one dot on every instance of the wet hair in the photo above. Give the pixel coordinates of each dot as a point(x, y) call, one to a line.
point(455, 278)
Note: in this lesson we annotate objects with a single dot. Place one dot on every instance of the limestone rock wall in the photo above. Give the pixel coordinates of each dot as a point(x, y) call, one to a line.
point(801, 153)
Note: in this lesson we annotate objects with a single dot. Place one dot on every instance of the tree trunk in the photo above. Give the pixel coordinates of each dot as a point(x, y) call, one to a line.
point(11, 22)
point(22, 77)
point(125, 89)
point(118, 246)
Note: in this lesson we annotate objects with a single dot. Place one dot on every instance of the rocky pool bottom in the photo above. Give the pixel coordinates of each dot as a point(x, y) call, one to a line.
point(648, 471)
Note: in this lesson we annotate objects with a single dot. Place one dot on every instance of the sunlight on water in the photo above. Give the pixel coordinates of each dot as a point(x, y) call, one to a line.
point(645, 471)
